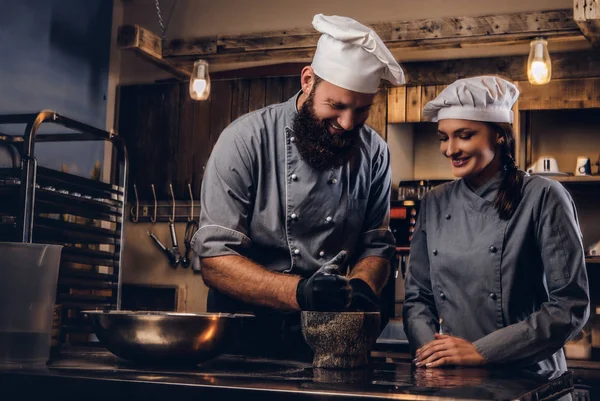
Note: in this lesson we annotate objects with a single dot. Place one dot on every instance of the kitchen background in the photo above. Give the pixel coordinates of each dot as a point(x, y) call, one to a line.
point(67, 58)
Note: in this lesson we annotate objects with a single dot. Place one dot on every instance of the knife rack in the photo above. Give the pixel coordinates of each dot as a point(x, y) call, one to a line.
point(84, 215)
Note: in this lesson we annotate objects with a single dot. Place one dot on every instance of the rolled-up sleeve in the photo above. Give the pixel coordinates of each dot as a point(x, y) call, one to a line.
point(227, 199)
point(419, 313)
point(376, 239)
point(559, 319)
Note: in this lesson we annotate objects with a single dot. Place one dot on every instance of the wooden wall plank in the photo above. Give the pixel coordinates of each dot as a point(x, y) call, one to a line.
point(239, 97)
point(439, 89)
point(256, 98)
point(202, 144)
point(396, 104)
point(168, 133)
point(558, 94)
point(567, 65)
point(274, 90)
point(128, 129)
point(596, 91)
point(291, 86)
point(153, 142)
point(220, 109)
point(413, 104)
point(378, 114)
point(185, 144)
point(428, 93)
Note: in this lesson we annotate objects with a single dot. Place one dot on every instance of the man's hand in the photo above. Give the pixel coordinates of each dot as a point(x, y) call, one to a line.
point(325, 290)
point(448, 350)
point(364, 298)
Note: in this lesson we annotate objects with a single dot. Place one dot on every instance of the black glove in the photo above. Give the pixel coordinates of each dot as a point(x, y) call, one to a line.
point(325, 290)
point(364, 298)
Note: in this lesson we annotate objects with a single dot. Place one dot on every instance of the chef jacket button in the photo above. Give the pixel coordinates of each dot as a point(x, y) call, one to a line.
point(434, 252)
point(448, 217)
point(333, 181)
point(293, 139)
point(493, 295)
point(493, 249)
point(294, 177)
point(442, 295)
point(321, 254)
point(328, 219)
point(294, 216)
point(296, 251)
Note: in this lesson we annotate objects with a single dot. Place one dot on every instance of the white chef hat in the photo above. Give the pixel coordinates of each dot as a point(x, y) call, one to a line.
point(352, 56)
point(484, 98)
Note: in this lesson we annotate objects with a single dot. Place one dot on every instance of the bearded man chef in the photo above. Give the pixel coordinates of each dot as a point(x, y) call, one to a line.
point(298, 190)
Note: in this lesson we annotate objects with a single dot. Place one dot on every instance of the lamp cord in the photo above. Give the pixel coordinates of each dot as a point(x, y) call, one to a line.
point(164, 27)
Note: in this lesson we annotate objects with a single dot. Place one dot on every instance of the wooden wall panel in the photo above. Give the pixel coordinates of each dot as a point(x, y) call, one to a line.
point(128, 129)
point(559, 94)
point(291, 86)
point(220, 109)
point(240, 89)
point(378, 114)
point(149, 123)
point(184, 159)
point(274, 90)
point(428, 93)
point(396, 104)
point(413, 104)
point(257, 94)
point(202, 144)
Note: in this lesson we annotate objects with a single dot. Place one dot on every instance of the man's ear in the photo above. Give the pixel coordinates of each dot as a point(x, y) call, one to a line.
point(307, 79)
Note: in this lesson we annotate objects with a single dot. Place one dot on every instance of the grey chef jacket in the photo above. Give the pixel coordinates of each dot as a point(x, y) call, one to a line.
point(262, 201)
point(516, 289)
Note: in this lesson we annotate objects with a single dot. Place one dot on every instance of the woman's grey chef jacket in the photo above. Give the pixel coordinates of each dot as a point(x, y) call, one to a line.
point(262, 201)
point(516, 289)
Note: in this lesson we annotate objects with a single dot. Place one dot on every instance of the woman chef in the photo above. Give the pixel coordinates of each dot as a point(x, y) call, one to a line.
point(497, 270)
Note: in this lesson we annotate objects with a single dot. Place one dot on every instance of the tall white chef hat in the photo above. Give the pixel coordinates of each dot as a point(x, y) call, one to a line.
point(352, 56)
point(484, 98)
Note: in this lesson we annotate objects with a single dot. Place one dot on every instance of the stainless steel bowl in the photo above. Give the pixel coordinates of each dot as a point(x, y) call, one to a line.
point(164, 337)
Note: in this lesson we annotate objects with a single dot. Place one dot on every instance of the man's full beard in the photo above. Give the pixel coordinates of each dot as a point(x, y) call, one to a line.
point(317, 146)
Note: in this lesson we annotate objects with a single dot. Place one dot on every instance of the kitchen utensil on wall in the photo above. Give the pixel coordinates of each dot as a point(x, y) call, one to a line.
point(175, 248)
point(173, 261)
point(190, 229)
point(583, 166)
point(171, 256)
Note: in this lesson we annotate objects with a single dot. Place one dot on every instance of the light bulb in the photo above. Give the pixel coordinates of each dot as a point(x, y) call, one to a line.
point(200, 81)
point(539, 71)
point(539, 67)
point(199, 85)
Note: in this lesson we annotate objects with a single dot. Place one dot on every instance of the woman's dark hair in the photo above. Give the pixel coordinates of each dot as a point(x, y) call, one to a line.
point(509, 194)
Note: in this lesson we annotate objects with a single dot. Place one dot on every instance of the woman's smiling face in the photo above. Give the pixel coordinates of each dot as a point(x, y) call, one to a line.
point(470, 146)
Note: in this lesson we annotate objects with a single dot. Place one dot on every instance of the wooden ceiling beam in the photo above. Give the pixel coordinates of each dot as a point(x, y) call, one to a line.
point(586, 14)
point(578, 64)
point(232, 52)
point(298, 45)
point(149, 46)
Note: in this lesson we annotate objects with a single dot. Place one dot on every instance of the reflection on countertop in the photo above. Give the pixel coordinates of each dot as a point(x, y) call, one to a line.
point(104, 375)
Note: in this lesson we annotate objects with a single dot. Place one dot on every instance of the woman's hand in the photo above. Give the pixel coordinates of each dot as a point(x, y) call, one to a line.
point(448, 350)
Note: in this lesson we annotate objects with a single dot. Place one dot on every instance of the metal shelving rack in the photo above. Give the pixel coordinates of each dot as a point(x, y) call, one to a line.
point(84, 215)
